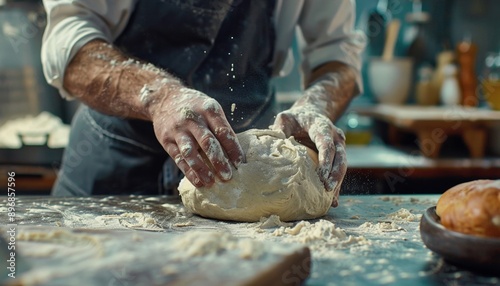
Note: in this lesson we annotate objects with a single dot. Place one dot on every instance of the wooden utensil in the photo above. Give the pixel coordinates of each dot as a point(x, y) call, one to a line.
point(390, 39)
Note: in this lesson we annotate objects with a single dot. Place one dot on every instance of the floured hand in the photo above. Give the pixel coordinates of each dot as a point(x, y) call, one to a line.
point(313, 129)
point(194, 131)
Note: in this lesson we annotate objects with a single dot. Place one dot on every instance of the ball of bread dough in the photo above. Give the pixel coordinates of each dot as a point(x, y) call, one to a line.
point(472, 208)
point(279, 178)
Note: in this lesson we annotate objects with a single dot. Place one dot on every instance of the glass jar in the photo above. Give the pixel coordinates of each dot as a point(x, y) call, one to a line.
point(491, 80)
point(358, 129)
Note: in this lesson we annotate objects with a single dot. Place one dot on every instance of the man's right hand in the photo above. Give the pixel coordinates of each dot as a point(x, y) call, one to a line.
point(190, 126)
point(194, 131)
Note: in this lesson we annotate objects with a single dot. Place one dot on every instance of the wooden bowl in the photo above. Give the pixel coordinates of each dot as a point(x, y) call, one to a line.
point(481, 254)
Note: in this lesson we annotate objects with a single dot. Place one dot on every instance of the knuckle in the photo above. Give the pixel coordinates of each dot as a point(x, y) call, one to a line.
point(224, 132)
point(212, 106)
point(188, 114)
point(186, 150)
point(172, 149)
point(197, 165)
point(207, 140)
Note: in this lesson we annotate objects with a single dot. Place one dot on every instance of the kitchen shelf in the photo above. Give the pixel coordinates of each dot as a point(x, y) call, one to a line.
point(377, 169)
point(30, 180)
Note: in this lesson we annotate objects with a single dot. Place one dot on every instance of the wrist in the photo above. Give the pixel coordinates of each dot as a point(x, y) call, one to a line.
point(154, 93)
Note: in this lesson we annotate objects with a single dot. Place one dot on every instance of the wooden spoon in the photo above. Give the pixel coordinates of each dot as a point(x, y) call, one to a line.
point(390, 39)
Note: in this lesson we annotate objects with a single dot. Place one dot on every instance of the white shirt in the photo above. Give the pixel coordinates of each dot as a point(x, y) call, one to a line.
point(327, 27)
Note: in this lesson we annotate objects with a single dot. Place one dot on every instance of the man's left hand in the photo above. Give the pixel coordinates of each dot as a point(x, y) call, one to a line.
point(311, 128)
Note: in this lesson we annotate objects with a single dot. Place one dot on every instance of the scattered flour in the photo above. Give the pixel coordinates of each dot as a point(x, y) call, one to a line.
point(132, 220)
point(395, 200)
point(380, 227)
point(63, 237)
point(202, 243)
point(322, 232)
point(404, 215)
point(271, 222)
point(184, 224)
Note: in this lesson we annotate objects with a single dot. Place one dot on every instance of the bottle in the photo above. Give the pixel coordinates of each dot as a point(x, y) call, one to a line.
point(443, 59)
point(466, 57)
point(424, 95)
point(450, 89)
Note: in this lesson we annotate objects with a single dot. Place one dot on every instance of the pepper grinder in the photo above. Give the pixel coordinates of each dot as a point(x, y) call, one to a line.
point(466, 57)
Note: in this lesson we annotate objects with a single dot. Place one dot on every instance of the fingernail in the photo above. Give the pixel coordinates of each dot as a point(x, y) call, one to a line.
point(227, 174)
point(335, 203)
point(341, 133)
point(239, 161)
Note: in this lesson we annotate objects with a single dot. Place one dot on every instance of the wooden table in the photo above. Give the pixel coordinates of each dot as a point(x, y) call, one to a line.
point(433, 125)
point(380, 248)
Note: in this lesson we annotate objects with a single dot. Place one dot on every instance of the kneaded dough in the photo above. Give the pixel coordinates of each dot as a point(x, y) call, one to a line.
point(278, 178)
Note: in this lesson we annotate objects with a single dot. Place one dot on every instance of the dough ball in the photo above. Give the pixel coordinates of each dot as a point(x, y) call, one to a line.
point(472, 208)
point(278, 178)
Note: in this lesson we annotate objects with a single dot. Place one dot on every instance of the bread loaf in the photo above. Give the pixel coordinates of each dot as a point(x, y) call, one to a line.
point(472, 208)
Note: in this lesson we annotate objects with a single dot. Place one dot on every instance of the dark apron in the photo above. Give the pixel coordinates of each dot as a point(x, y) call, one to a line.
point(220, 47)
point(217, 47)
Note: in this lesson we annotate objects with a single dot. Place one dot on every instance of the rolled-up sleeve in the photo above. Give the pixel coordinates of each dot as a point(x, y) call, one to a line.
point(329, 34)
point(73, 23)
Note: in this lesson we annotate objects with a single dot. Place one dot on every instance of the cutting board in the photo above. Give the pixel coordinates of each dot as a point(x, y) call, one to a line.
point(433, 125)
point(64, 256)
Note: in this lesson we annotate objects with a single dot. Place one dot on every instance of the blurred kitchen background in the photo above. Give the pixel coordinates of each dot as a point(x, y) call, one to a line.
point(408, 132)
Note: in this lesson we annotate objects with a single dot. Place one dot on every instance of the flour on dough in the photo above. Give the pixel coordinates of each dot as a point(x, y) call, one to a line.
point(278, 178)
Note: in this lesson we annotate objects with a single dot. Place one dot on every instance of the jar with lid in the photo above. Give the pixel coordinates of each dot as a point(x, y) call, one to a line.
point(491, 80)
point(358, 129)
point(424, 94)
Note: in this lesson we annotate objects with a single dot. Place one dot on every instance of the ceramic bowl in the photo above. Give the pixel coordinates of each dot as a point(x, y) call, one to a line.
point(390, 80)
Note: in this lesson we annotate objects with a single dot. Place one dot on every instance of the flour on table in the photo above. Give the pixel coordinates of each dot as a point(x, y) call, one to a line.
point(403, 214)
point(322, 232)
point(279, 178)
point(132, 220)
point(271, 222)
point(184, 224)
point(203, 243)
point(62, 237)
point(380, 227)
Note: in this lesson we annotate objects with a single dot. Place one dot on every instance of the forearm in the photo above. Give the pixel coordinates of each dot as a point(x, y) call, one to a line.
point(105, 79)
point(330, 89)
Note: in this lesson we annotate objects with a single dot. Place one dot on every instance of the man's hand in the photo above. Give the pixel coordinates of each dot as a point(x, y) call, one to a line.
point(329, 90)
point(194, 131)
point(313, 129)
point(190, 125)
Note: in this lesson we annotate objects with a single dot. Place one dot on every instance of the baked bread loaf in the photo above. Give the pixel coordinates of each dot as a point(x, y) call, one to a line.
point(472, 208)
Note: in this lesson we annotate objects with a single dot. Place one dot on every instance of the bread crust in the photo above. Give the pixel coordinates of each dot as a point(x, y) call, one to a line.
point(472, 208)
